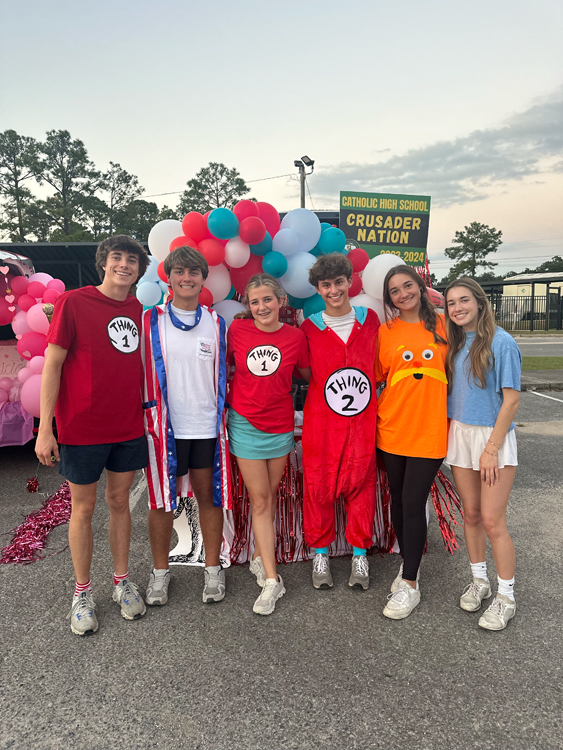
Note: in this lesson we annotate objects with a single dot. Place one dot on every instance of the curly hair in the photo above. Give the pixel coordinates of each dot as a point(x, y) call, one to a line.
point(329, 267)
point(120, 242)
point(186, 257)
point(428, 314)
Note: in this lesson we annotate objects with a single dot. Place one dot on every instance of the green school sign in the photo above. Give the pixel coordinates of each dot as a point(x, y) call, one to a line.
point(387, 223)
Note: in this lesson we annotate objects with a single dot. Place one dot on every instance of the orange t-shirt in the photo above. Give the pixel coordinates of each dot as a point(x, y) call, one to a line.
point(412, 410)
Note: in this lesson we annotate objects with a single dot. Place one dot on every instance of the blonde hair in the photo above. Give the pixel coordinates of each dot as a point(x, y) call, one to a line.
point(261, 279)
point(481, 358)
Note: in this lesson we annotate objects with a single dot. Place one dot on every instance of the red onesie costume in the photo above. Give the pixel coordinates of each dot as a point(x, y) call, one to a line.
point(339, 430)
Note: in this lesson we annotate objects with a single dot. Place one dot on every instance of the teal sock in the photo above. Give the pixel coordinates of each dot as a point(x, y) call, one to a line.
point(358, 551)
point(320, 550)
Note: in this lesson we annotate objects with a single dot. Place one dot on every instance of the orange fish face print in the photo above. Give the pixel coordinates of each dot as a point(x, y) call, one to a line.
point(417, 364)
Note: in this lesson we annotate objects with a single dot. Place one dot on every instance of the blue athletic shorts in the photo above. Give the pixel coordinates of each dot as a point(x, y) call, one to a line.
point(84, 464)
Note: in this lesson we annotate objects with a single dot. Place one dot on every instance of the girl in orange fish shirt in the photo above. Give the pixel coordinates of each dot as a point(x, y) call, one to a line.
point(411, 419)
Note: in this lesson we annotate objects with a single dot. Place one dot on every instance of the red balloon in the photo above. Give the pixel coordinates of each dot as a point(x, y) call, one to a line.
point(356, 287)
point(205, 297)
point(32, 345)
point(213, 251)
point(436, 297)
point(244, 209)
point(241, 276)
point(252, 230)
point(35, 289)
point(19, 285)
point(358, 258)
point(195, 225)
point(270, 217)
point(25, 302)
point(6, 315)
point(160, 271)
point(50, 296)
point(183, 241)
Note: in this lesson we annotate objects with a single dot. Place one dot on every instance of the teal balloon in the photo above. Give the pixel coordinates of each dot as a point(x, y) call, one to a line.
point(325, 226)
point(222, 223)
point(316, 251)
point(275, 264)
point(295, 302)
point(313, 305)
point(332, 240)
point(232, 293)
point(262, 247)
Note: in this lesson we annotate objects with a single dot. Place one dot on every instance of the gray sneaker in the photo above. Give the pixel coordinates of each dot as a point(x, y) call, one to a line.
point(83, 620)
point(157, 589)
point(214, 585)
point(359, 577)
point(126, 594)
point(497, 614)
point(474, 593)
point(402, 601)
point(257, 568)
point(272, 591)
point(322, 578)
point(399, 577)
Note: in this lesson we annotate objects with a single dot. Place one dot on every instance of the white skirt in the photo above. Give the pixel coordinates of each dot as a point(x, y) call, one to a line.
point(466, 443)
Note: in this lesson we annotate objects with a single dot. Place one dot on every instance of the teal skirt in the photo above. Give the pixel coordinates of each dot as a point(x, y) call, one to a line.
point(245, 441)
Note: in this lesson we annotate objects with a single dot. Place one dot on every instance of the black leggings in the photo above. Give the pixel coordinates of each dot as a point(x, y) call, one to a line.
point(410, 480)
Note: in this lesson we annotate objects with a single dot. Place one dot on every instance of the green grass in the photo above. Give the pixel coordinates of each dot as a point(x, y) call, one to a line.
point(542, 363)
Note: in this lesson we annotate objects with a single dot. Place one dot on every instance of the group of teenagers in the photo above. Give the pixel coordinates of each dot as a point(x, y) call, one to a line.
point(171, 390)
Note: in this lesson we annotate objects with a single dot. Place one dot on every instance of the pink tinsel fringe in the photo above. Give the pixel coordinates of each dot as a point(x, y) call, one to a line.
point(30, 538)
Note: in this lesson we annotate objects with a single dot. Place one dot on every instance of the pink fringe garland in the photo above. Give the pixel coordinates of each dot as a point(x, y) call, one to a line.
point(30, 538)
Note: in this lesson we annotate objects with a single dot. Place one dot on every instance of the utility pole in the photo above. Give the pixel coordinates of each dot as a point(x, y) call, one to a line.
point(301, 164)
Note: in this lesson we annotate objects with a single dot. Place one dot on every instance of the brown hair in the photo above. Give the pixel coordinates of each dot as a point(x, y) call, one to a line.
point(481, 353)
point(260, 279)
point(120, 242)
point(186, 257)
point(427, 314)
point(329, 267)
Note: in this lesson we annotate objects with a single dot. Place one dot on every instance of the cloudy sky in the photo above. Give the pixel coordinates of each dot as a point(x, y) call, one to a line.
point(459, 101)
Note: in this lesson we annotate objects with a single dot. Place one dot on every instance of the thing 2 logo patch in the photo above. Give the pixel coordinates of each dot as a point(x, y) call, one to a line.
point(263, 360)
point(123, 334)
point(348, 391)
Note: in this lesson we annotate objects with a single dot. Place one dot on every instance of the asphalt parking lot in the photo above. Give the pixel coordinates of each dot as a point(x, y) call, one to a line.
point(327, 670)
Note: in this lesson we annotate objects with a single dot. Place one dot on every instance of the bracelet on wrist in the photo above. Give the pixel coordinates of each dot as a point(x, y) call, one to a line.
point(491, 454)
point(495, 444)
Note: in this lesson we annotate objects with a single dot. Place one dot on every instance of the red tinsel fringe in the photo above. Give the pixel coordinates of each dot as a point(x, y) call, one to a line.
point(446, 501)
point(30, 538)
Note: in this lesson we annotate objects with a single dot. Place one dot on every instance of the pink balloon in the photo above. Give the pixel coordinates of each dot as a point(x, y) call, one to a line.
point(24, 374)
point(31, 395)
point(19, 284)
point(36, 319)
point(36, 365)
point(35, 289)
point(6, 315)
point(57, 285)
point(51, 295)
point(19, 323)
point(25, 302)
point(6, 383)
point(32, 344)
point(4, 396)
point(43, 278)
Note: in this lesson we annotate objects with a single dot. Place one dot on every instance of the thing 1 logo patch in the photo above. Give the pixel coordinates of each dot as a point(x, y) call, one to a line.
point(123, 334)
point(348, 391)
point(263, 360)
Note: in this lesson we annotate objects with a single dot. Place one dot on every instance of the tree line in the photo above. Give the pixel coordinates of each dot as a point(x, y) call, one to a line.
point(87, 204)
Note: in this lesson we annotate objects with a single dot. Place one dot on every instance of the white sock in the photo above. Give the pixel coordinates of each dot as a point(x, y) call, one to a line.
point(160, 572)
point(506, 587)
point(479, 570)
point(213, 570)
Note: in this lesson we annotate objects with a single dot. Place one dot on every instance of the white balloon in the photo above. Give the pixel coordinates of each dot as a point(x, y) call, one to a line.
point(218, 282)
point(364, 300)
point(228, 308)
point(306, 226)
point(237, 253)
point(161, 235)
point(375, 272)
point(286, 242)
point(149, 293)
point(151, 274)
point(295, 280)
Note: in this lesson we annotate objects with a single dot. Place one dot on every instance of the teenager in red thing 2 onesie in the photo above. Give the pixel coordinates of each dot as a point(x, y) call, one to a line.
point(339, 421)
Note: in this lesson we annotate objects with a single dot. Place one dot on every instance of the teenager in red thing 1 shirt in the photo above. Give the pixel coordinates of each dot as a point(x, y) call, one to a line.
point(92, 384)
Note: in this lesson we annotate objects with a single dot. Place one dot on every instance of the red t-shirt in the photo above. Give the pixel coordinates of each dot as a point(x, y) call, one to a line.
point(264, 362)
point(100, 395)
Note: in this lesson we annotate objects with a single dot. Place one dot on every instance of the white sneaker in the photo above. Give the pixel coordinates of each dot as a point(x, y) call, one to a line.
point(257, 568)
point(157, 589)
point(402, 602)
point(272, 591)
point(497, 614)
point(359, 575)
point(474, 593)
point(214, 585)
point(399, 577)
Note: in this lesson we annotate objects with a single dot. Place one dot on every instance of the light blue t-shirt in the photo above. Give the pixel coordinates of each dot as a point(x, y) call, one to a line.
point(471, 404)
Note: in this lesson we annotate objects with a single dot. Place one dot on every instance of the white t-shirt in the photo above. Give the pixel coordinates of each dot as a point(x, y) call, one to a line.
point(190, 369)
point(342, 325)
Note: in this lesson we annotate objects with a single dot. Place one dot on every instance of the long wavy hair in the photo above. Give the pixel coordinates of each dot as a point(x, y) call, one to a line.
point(260, 279)
point(427, 314)
point(481, 358)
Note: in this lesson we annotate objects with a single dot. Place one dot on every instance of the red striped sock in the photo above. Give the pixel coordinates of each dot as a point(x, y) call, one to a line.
point(80, 587)
point(117, 579)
